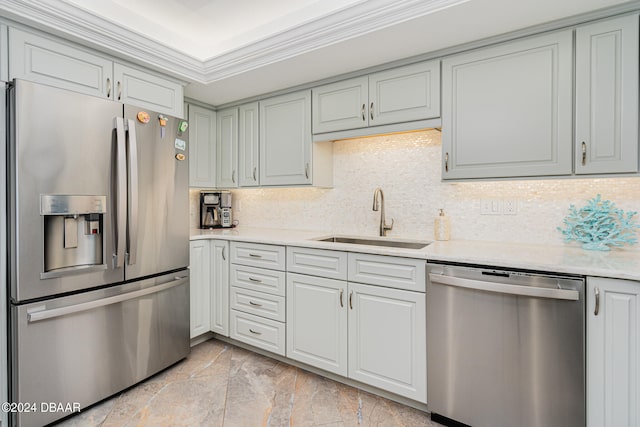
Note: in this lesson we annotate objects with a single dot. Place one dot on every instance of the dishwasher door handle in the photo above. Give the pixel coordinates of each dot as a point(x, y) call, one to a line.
point(530, 291)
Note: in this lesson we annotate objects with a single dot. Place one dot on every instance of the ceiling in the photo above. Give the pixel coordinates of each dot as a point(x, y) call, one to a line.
point(228, 50)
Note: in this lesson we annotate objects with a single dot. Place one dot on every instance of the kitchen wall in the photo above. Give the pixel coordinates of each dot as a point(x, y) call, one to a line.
point(408, 168)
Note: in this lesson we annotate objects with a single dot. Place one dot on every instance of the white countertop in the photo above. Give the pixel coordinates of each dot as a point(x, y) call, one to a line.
point(569, 259)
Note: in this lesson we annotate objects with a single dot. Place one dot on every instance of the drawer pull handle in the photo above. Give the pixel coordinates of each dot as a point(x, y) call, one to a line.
point(584, 153)
point(255, 256)
point(371, 111)
point(255, 304)
point(446, 162)
point(351, 300)
point(251, 279)
point(597, 308)
point(255, 332)
point(341, 294)
point(364, 118)
point(224, 257)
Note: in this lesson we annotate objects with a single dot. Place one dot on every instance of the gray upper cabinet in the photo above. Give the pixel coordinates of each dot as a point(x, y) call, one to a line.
point(405, 94)
point(137, 87)
point(227, 149)
point(606, 134)
point(341, 105)
point(507, 109)
point(248, 146)
point(202, 147)
point(285, 139)
point(44, 59)
point(397, 95)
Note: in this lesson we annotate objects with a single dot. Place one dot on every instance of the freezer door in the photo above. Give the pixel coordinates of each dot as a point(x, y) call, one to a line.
point(62, 148)
point(158, 206)
point(83, 348)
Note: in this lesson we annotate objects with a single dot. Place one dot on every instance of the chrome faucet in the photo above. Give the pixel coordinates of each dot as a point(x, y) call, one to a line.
point(378, 204)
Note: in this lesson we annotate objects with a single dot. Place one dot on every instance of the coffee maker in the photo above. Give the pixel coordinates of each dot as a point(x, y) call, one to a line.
point(215, 209)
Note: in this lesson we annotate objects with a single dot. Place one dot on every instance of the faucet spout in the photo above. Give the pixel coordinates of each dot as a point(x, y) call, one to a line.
point(378, 205)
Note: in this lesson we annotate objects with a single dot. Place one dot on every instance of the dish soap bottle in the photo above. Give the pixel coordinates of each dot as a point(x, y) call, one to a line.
point(442, 227)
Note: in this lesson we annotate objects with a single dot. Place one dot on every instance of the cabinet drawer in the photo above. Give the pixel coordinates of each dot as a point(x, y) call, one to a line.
point(258, 255)
point(258, 279)
point(258, 303)
point(259, 332)
point(317, 262)
point(392, 272)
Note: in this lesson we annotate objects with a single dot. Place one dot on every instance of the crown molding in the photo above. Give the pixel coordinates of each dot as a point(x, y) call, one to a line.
point(68, 21)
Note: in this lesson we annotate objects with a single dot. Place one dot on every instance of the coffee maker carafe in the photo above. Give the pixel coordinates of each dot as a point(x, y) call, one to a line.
point(215, 209)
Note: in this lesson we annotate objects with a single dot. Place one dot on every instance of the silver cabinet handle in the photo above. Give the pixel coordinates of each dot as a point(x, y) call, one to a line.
point(584, 153)
point(351, 300)
point(108, 87)
point(363, 116)
point(233, 176)
point(255, 332)
point(132, 150)
point(446, 162)
point(255, 170)
point(90, 305)
point(597, 309)
point(531, 291)
point(251, 279)
point(341, 293)
point(255, 304)
point(371, 111)
point(224, 257)
point(255, 256)
point(306, 170)
point(119, 91)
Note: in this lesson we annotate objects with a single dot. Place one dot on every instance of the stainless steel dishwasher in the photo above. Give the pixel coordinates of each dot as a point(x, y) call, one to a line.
point(505, 348)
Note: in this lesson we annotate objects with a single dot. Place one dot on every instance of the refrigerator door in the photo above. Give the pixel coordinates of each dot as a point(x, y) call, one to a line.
point(158, 208)
point(62, 147)
point(85, 347)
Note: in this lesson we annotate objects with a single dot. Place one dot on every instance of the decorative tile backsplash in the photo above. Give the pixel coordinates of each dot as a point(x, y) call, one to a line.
point(408, 169)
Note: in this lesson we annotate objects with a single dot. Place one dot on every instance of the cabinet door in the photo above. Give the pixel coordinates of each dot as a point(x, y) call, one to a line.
point(220, 287)
point(317, 322)
point(404, 94)
point(227, 149)
point(507, 110)
point(387, 339)
point(607, 96)
point(613, 353)
point(200, 286)
point(43, 60)
point(285, 139)
point(202, 147)
point(341, 105)
point(136, 87)
point(248, 146)
point(4, 58)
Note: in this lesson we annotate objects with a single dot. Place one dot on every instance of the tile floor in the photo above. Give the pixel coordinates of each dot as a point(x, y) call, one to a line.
point(223, 385)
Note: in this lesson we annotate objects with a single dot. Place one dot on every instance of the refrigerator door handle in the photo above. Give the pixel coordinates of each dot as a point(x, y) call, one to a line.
point(121, 197)
point(132, 148)
point(90, 305)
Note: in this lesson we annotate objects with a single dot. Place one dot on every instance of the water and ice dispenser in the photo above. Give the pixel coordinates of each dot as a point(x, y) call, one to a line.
point(73, 231)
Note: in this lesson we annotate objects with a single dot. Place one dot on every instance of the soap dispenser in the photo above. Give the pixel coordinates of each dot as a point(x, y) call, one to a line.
point(442, 227)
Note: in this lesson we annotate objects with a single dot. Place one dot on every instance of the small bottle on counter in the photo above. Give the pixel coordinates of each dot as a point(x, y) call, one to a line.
point(442, 227)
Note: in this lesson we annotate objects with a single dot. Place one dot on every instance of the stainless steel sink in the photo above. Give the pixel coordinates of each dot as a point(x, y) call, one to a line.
point(372, 241)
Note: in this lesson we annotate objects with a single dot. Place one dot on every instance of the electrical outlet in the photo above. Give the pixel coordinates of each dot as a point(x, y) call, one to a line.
point(509, 207)
point(490, 207)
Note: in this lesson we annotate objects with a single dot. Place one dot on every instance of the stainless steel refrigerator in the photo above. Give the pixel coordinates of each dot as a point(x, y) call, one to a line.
point(98, 247)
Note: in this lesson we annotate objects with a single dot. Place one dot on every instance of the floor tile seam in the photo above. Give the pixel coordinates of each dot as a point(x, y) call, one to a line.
point(226, 389)
point(210, 362)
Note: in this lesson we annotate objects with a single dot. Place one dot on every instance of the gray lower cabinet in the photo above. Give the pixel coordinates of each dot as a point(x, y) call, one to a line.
point(401, 94)
point(248, 145)
point(257, 298)
point(227, 148)
point(606, 135)
point(613, 352)
point(373, 332)
point(507, 109)
point(200, 287)
point(202, 147)
point(220, 287)
point(46, 59)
